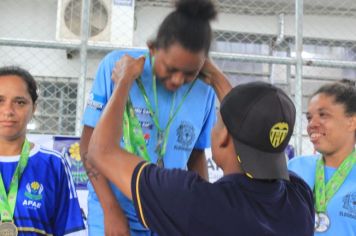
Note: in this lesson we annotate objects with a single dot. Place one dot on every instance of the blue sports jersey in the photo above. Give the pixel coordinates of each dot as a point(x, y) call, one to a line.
point(46, 202)
point(190, 129)
point(341, 208)
point(181, 203)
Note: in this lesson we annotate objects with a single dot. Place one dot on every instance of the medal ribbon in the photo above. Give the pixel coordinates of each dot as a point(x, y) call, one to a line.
point(132, 131)
point(324, 192)
point(133, 136)
point(8, 201)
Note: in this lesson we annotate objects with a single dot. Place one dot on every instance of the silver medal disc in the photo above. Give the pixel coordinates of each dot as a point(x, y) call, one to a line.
point(322, 222)
point(8, 229)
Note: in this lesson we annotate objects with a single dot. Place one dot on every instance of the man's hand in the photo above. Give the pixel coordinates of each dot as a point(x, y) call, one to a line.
point(214, 77)
point(209, 71)
point(128, 68)
point(115, 222)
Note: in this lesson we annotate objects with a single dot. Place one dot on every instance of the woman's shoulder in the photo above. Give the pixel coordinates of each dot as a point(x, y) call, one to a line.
point(303, 161)
point(43, 154)
point(304, 166)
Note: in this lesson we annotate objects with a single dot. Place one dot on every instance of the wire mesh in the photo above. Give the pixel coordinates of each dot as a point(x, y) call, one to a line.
point(49, 39)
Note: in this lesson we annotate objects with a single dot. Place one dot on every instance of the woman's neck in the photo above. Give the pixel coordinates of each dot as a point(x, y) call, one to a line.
point(335, 159)
point(11, 147)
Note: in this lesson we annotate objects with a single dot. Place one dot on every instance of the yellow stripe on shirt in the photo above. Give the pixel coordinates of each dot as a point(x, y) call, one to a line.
point(138, 195)
point(29, 229)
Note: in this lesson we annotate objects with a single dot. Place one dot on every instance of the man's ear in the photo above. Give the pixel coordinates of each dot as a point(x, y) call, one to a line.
point(224, 137)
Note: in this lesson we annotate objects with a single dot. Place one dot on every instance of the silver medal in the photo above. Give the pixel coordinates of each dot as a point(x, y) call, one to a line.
point(322, 222)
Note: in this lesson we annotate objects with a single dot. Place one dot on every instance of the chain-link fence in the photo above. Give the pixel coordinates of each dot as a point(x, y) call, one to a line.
point(297, 45)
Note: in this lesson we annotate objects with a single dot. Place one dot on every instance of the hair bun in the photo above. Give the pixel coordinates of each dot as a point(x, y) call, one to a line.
point(348, 82)
point(202, 9)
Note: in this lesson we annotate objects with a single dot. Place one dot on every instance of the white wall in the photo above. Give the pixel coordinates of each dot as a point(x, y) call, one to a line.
point(37, 19)
point(330, 27)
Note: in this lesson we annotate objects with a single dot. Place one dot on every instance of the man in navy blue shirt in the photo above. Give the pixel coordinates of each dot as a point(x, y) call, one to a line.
point(256, 196)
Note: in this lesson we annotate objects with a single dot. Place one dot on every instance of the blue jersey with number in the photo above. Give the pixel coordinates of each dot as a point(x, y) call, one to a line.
point(46, 201)
point(189, 130)
point(341, 208)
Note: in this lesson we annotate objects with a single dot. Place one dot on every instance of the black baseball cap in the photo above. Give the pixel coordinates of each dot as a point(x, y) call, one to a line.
point(260, 118)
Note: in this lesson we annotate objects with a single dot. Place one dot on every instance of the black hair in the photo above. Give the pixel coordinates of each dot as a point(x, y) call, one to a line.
point(344, 92)
point(188, 25)
point(25, 76)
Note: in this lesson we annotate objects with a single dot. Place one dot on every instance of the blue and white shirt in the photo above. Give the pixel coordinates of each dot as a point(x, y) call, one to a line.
point(47, 202)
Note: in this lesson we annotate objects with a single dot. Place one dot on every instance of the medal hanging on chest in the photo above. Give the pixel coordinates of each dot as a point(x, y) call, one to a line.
point(8, 200)
point(322, 222)
point(8, 229)
point(324, 192)
point(134, 141)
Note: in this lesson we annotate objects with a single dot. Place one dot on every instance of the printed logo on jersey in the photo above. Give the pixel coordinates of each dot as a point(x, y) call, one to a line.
point(349, 206)
point(144, 118)
point(185, 136)
point(34, 194)
point(96, 102)
point(34, 190)
point(278, 134)
point(142, 111)
point(146, 137)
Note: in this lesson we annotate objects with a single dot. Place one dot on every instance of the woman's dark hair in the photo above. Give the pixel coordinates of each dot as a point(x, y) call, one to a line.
point(344, 92)
point(188, 25)
point(25, 76)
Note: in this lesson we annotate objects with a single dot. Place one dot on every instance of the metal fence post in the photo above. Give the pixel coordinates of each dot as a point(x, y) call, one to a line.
point(83, 64)
point(298, 74)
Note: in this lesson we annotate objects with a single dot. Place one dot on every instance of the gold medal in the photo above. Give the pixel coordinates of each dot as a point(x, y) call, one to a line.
point(8, 229)
point(322, 222)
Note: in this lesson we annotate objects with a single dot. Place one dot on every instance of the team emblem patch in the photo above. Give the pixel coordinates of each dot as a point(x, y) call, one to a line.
point(350, 202)
point(96, 102)
point(185, 134)
point(278, 133)
point(34, 190)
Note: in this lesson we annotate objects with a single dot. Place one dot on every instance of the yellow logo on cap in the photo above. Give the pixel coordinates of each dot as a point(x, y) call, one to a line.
point(278, 133)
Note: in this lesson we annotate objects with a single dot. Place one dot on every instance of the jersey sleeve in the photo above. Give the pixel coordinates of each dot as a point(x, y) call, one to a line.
point(100, 93)
point(162, 198)
point(68, 218)
point(203, 140)
point(304, 167)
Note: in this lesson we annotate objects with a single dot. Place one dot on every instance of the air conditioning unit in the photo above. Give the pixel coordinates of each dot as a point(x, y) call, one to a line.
point(110, 22)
